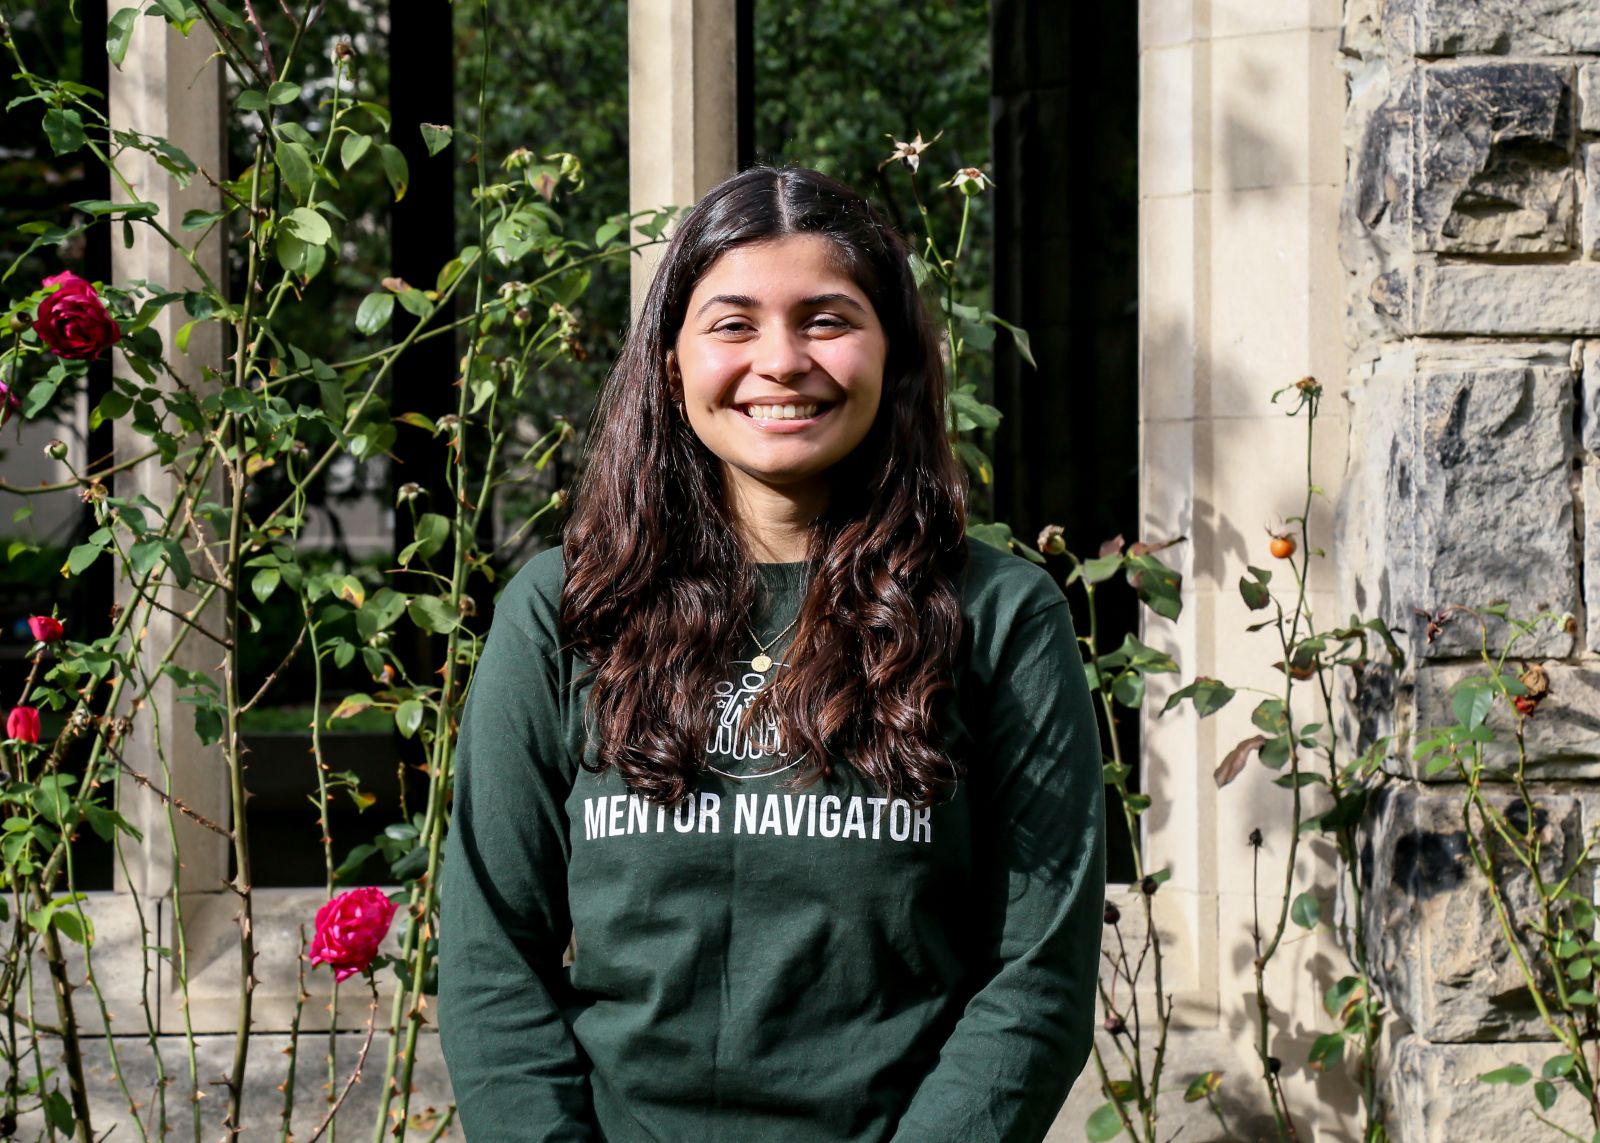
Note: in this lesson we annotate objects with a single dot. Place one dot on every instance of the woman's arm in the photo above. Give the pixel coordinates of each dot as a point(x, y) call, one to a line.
point(1038, 807)
point(517, 1073)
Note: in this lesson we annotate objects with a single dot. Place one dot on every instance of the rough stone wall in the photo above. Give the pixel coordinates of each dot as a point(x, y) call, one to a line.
point(1470, 232)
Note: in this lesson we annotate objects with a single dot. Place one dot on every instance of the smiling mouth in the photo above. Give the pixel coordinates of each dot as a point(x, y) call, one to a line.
point(798, 411)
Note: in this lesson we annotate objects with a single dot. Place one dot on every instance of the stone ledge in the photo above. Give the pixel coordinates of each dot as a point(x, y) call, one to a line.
point(1461, 27)
point(1461, 299)
point(1436, 1096)
point(1435, 943)
point(1562, 737)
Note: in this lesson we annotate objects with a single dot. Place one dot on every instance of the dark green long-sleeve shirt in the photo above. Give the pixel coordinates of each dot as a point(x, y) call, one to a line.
point(760, 963)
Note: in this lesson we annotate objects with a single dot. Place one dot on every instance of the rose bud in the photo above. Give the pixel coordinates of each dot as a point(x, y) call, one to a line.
point(45, 628)
point(22, 724)
point(1113, 914)
point(1052, 540)
point(56, 450)
point(1256, 840)
point(1115, 1024)
point(73, 321)
point(1149, 886)
point(349, 929)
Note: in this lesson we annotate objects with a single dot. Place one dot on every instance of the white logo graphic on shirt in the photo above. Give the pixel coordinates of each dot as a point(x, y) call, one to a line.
point(759, 752)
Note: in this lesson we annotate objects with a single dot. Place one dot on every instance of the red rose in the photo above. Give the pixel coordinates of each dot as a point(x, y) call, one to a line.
point(1526, 705)
point(349, 930)
point(45, 628)
point(22, 724)
point(73, 321)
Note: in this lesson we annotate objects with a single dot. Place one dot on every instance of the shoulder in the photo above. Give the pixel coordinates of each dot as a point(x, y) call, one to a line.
point(531, 601)
point(1001, 585)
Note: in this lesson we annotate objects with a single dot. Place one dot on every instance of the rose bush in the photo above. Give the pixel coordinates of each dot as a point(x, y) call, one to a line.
point(349, 929)
point(73, 321)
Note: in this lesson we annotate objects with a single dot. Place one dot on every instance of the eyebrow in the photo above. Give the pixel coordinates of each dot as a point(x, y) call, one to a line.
point(751, 303)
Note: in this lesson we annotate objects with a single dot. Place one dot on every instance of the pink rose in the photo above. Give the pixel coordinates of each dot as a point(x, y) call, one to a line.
point(9, 403)
point(22, 724)
point(350, 928)
point(73, 321)
point(45, 628)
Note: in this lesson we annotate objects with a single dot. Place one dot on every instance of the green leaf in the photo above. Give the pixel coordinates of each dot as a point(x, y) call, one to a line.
point(1472, 701)
point(1306, 911)
point(1103, 1124)
point(104, 206)
point(1558, 1066)
point(351, 705)
point(1514, 1074)
point(1255, 594)
point(264, 583)
point(1208, 696)
point(119, 30)
point(200, 219)
point(431, 613)
point(294, 164)
point(79, 559)
point(283, 92)
point(375, 311)
point(1326, 1051)
point(1202, 1086)
point(64, 129)
point(1097, 570)
point(59, 1112)
point(408, 717)
point(251, 100)
point(308, 226)
point(354, 146)
point(1269, 716)
point(395, 169)
point(1545, 1092)
point(436, 136)
point(1580, 969)
point(1128, 689)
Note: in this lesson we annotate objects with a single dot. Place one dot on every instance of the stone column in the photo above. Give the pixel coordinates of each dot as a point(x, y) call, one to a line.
point(1473, 313)
point(682, 107)
point(170, 86)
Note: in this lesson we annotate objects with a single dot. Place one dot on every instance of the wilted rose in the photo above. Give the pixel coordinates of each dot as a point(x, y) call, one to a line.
point(73, 321)
point(45, 628)
point(22, 724)
point(350, 928)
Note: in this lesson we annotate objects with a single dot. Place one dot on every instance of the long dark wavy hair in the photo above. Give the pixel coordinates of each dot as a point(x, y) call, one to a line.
point(659, 587)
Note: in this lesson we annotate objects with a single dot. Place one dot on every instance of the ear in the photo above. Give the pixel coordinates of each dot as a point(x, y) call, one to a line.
point(674, 378)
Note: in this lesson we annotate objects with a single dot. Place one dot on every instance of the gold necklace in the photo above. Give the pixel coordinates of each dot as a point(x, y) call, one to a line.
point(763, 661)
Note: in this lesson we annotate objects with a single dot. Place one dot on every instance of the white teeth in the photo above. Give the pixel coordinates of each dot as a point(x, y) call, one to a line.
point(782, 412)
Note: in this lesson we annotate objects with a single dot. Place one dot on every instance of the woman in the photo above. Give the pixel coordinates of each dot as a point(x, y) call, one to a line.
point(812, 783)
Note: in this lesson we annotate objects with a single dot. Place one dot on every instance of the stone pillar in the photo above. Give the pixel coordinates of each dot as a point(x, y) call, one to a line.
point(1240, 170)
point(171, 86)
point(682, 107)
point(1473, 313)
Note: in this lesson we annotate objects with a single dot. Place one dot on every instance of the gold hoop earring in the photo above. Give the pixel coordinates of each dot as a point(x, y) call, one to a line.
point(682, 416)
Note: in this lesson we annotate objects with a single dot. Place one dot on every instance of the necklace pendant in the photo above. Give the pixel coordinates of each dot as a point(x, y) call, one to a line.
point(762, 663)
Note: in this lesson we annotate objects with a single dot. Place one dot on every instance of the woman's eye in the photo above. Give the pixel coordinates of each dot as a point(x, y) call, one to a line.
point(829, 325)
point(733, 327)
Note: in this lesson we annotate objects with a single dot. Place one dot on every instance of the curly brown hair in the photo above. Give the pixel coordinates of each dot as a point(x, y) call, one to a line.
point(659, 586)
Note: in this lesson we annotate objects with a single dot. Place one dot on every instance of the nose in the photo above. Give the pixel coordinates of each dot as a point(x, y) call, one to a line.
point(781, 355)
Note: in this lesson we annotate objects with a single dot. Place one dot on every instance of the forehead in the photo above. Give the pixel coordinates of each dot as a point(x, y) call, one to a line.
point(777, 269)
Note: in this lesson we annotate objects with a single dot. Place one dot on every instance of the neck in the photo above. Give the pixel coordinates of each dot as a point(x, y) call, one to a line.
point(774, 523)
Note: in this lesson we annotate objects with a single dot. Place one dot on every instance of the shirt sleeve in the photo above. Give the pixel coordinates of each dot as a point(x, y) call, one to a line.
point(1039, 803)
point(516, 1070)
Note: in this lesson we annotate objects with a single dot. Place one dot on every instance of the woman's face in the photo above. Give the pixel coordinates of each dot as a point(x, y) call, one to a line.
point(781, 357)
